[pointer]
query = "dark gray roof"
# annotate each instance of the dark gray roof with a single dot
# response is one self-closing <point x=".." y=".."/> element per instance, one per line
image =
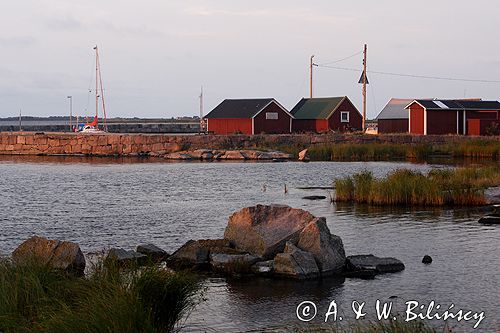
<point x="239" y="108"/>
<point x="395" y="109"/>
<point x="457" y="104"/>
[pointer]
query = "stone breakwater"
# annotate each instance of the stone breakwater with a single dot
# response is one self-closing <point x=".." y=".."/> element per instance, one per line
<point x="109" y="144"/>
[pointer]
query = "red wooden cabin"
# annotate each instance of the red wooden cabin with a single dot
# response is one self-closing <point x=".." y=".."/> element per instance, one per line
<point x="394" y="117"/>
<point x="452" y="116"/>
<point x="249" y="116"/>
<point x="326" y="114"/>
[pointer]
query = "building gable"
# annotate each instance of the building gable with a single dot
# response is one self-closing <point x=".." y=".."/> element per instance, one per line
<point x="316" y="108"/>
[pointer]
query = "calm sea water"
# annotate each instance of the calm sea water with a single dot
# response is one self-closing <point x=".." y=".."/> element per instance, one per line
<point x="102" y="203"/>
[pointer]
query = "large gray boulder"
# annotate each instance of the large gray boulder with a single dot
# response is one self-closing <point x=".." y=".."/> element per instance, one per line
<point x="295" y="263"/>
<point x="264" y="230"/>
<point x="57" y="254"/>
<point x="327" y="249"/>
<point x="371" y="262"/>
<point x="126" y="257"/>
<point x="153" y="252"/>
<point x="191" y="255"/>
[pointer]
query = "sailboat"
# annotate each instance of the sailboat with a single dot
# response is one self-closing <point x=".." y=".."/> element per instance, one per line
<point x="93" y="126"/>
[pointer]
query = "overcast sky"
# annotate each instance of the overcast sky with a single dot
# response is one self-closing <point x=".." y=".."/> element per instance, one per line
<point x="156" y="54"/>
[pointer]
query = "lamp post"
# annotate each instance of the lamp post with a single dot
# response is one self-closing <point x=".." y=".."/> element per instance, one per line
<point x="70" y="113"/>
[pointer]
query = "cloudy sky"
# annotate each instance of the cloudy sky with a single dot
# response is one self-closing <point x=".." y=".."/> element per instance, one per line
<point x="156" y="54"/>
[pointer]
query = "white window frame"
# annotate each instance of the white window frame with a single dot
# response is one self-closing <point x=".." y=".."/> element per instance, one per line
<point x="272" y="116"/>
<point x="342" y="118"/>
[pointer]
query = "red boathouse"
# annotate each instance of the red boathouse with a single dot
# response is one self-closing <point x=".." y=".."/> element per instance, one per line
<point x="326" y="114"/>
<point x="468" y="117"/>
<point x="249" y="116"/>
<point x="394" y="117"/>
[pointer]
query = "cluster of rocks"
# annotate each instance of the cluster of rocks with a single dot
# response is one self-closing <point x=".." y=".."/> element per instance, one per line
<point x="144" y="254"/>
<point x="209" y="154"/>
<point x="69" y="257"/>
<point x="278" y="241"/>
<point x="274" y="240"/>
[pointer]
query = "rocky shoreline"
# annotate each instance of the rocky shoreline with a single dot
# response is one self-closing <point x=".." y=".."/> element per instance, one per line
<point x="265" y="240"/>
<point x="130" y="144"/>
<point x="216" y="154"/>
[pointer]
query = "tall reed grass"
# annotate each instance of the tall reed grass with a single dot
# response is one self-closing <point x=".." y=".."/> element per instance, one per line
<point x="476" y="149"/>
<point x="461" y="187"/>
<point x="36" y="298"/>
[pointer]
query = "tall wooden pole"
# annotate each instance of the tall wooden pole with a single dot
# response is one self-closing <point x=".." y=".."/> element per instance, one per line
<point x="364" y="88"/>
<point x="201" y="111"/>
<point x="311" y="64"/>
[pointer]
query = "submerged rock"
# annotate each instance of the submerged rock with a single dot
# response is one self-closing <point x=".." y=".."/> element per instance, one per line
<point x="57" y="254"/>
<point x="152" y="251"/>
<point x="490" y="219"/>
<point x="365" y="274"/>
<point x="295" y="263"/>
<point x="427" y="259"/>
<point x="314" y="197"/>
<point x="371" y="262"/>
<point x="327" y="249"/>
<point x="264" y="230"/>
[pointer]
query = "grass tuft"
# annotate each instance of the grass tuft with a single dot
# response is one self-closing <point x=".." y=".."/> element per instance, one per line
<point x="36" y="298"/>
<point x="460" y="187"/>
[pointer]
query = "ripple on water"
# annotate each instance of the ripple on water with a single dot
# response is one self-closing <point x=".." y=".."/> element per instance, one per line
<point x="103" y="203"/>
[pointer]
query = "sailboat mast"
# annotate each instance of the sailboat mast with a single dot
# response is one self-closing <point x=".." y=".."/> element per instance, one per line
<point x="96" y="81"/>
<point x="102" y="93"/>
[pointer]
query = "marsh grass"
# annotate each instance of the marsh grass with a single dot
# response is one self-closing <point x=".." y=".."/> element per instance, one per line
<point x="474" y="149"/>
<point x="357" y="152"/>
<point x="460" y="187"/>
<point x="36" y="298"/>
